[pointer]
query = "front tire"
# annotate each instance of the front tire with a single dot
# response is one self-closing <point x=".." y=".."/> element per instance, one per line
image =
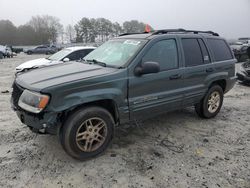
<point x="211" y="104"/>
<point x="87" y="132"/>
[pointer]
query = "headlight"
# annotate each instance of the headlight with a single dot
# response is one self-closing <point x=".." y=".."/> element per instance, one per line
<point x="32" y="101"/>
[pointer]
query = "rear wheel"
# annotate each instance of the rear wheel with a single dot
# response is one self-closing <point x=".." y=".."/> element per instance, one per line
<point x="87" y="132"/>
<point x="211" y="104"/>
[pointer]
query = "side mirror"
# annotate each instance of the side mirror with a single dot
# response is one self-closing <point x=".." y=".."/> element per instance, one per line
<point x="147" y="68"/>
<point x="66" y="59"/>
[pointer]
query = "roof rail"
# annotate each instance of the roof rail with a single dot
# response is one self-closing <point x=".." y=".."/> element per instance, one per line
<point x="165" y="31"/>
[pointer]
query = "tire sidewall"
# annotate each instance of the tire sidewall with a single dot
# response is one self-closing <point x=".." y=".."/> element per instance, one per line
<point x="72" y="124"/>
<point x="206" y="113"/>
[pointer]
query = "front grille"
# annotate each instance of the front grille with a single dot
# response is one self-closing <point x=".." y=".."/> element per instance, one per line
<point x="16" y="93"/>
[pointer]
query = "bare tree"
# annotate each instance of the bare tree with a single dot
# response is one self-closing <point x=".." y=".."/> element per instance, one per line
<point x="7" y="32"/>
<point x="46" y="27"/>
<point x="70" y="33"/>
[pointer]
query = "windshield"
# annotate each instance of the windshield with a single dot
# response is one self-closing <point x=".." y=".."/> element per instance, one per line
<point x="60" y="55"/>
<point x="116" y="52"/>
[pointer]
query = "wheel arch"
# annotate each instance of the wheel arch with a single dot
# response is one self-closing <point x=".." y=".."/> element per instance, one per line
<point x="108" y="104"/>
<point x="222" y="83"/>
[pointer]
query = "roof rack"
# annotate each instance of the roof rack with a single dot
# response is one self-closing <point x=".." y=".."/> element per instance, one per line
<point x="165" y="31"/>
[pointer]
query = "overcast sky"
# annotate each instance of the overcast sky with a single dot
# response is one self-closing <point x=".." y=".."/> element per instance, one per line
<point x="230" y="18"/>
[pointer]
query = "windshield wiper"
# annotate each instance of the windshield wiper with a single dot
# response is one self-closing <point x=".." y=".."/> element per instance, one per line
<point x="94" y="61"/>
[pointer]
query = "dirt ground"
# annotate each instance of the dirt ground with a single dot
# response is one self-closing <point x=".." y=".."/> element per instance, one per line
<point x="173" y="150"/>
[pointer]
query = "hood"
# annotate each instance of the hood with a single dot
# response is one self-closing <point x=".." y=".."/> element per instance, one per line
<point x="33" y="63"/>
<point x="39" y="79"/>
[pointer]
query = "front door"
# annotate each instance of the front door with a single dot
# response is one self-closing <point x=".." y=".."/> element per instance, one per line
<point x="155" y="93"/>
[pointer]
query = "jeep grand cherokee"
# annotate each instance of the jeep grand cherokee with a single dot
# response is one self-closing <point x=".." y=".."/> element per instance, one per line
<point x="133" y="76"/>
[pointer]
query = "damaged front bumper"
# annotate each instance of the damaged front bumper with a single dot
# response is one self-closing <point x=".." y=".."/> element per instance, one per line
<point x="39" y="123"/>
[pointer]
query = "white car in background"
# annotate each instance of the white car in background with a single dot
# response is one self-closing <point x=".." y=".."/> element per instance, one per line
<point x="65" y="55"/>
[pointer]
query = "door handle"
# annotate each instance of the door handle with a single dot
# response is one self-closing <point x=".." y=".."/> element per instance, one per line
<point x="175" y="77"/>
<point x="209" y="70"/>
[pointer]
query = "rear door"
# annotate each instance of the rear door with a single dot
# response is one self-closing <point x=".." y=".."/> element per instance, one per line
<point x="155" y="93"/>
<point x="198" y="67"/>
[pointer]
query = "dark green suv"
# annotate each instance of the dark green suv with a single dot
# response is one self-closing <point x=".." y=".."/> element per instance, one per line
<point x="133" y="76"/>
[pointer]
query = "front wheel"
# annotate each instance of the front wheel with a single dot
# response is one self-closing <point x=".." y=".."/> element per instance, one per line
<point x="211" y="104"/>
<point x="87" y="132"/>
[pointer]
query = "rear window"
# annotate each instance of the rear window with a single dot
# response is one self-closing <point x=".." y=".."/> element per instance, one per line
<point x="192" y="52"/>
<point x="220" y="49"/>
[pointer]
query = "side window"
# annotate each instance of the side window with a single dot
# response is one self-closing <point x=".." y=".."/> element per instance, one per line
<point x="88" y="51"/>
<point x="79" y="54"/>
<point x="72" y="56"/>
<point x="205" y="55"/>
<point x="83" y="53"/>
<point x="192" y="52"/>
<point x="220" y="49"/>
<point x="165" y="53"/>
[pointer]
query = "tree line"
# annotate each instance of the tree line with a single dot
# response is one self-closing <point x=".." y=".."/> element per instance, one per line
<point x="101" y="29"/>
<point x="39" y="30"/>
<point x="48" y="29"/>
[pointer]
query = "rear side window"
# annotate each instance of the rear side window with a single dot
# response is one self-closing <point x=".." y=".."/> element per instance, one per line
<point x="165" y="53"/>
<point x="192" y="52"/>
<point x="220" y="49"/>
<point x="205" y="55"/>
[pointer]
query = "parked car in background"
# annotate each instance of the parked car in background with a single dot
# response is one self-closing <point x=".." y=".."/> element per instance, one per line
<point x="67" y="54"/>
<point x="43" y="49"/>
<point x="240" y="50"/>
<point x="2" y="51"/>
<point x="17" y="49"/>
<point x="9" y="52"/>
<point x="243" y="74"/>
<point x="245" y="40"/>
<point x="6" y="51"/>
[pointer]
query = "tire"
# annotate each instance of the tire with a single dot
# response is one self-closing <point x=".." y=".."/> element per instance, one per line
<point x="215" y="96"/>
<point x="1" y="56"/>
<point x="29" y="52"/>
<point x="93" y="139"/>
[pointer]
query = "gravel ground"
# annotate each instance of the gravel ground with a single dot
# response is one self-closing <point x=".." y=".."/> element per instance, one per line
<point x="173" y="150"/>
